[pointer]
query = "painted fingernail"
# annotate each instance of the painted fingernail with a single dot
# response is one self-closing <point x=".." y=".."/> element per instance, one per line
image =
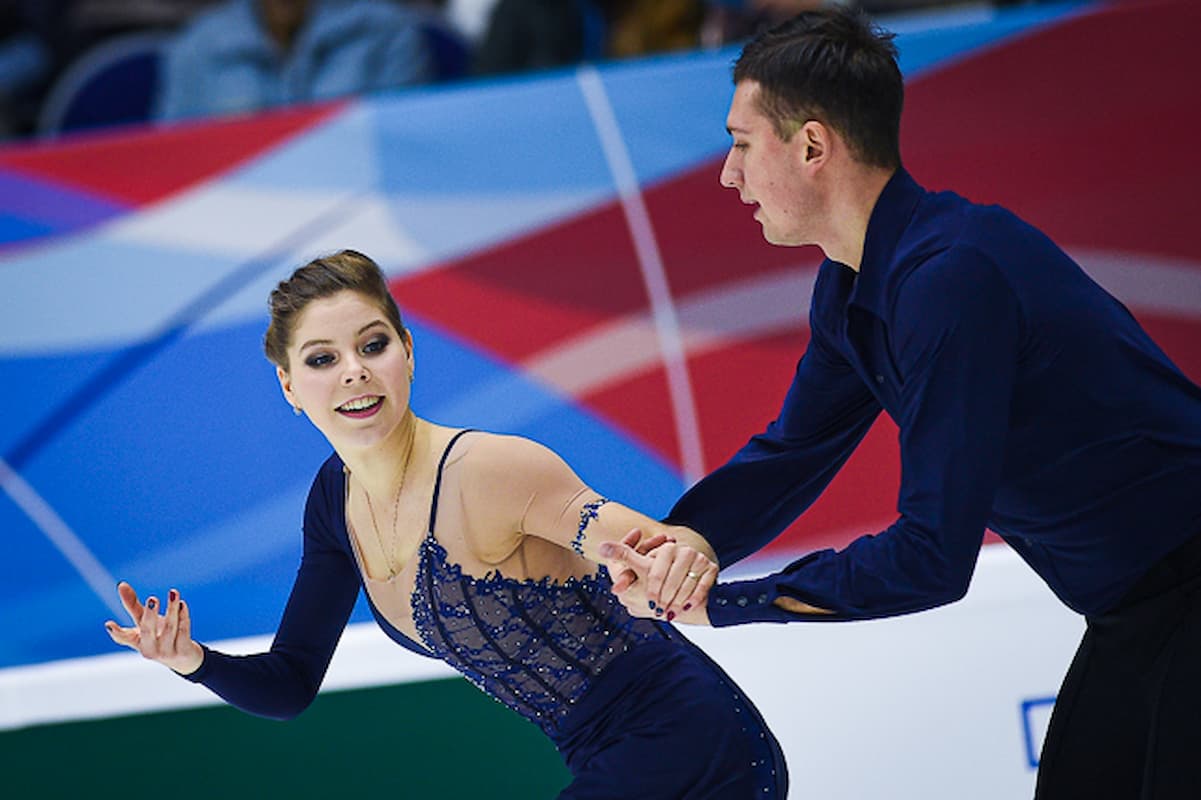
<point x="172" y="596"/>
<point x="151" y="603"/>
<point x="658" y="612"/>
<point x="671" y="615"/>
<point x="651" y="603"/>
<point x="687" y="606"/>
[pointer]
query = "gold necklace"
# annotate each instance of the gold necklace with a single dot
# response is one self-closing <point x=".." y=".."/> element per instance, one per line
<point x="393" y="567"/>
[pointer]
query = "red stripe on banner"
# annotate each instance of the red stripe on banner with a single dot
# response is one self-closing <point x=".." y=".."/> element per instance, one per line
<point x="1112" y="163"/>
<point x="522" y="296"/>
<point x="144" y="166"/>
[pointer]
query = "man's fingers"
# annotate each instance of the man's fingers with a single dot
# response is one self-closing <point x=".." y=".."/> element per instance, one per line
<point x="632" y="537"/>
<point x="650" y="544"/>
<point x="623" y="581"/>
<point x="624" y="554"/>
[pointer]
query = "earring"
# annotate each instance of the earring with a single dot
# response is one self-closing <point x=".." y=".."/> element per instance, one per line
<point x="296" y="410"/>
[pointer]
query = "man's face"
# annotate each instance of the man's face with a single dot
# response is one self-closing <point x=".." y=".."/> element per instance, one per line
<point x="768" y="172"/>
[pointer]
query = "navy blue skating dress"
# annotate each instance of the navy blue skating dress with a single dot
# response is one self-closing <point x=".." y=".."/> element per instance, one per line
<point x="635" y="709"/>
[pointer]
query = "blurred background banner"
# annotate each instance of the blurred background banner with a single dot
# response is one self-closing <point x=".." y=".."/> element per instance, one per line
<point x="573" y="272"/>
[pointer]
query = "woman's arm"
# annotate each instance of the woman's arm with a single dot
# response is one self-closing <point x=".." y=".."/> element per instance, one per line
<point x="532" y="491"/>
<point x="283" y="681"/>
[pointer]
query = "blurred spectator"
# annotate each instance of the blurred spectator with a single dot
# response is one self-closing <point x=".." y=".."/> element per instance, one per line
<point x="533" y="34"/>
<point x="247" y="55"/>
<point x="40" y="39"/>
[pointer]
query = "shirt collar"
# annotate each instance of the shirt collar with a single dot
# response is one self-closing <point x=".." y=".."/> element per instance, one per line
<point x="894" y="208"/>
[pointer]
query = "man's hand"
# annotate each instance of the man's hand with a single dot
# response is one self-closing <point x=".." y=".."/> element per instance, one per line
<point x="659" y="577"/>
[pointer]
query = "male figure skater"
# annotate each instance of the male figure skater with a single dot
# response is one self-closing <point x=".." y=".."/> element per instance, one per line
<point x="1029" y="401"/>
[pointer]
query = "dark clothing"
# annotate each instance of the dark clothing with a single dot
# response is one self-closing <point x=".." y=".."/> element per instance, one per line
<point x="1028" y="399"/>
<point x="1126" y="725"/>
<point x="525" y="35"/>
<point x="617" y="695"/>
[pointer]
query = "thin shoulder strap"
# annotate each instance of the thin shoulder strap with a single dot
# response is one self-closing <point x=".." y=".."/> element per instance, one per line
<point x="438" y="480"/>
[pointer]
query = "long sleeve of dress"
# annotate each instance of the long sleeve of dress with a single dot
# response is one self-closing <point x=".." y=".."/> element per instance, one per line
<point x="282" y="682"/>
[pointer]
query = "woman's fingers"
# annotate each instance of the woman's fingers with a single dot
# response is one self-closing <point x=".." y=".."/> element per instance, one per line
<point x="127" y="637"/>
<point x="183" y="636"/>
<point x="700" y="590"/>
<point x="148" y="625"/>
<point x="129" y="599"/>
<point x="677" y="584"/>
<point x="170" y="624"/>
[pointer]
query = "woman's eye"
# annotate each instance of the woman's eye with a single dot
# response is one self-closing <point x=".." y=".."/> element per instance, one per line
<point x="319" y="360"/>
<point x="375" y="345"/>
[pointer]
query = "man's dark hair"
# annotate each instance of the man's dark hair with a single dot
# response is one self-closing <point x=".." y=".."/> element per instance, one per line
<point x="835" y="66"/>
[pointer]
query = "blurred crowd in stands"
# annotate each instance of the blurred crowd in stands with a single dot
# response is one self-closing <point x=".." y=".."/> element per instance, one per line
<point x="74" y="64"/>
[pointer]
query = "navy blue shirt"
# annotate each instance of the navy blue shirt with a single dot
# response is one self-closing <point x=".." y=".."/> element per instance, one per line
<point x="1028" y="399"/>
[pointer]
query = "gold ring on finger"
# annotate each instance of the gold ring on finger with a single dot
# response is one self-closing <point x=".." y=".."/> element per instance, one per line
<point x="694" y="575"/>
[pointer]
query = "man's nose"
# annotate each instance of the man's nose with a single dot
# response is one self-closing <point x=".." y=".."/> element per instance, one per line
<point x="730" y="176"/>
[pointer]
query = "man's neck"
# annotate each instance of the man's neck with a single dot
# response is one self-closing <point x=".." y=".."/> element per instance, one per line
<point x="850" y="211"/>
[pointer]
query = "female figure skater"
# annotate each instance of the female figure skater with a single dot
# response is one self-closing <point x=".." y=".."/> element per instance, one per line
<point x="477" y="549"/>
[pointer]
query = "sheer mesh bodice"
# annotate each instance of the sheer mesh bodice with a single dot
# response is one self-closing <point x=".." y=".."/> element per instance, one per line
<point x="535" y="646"/>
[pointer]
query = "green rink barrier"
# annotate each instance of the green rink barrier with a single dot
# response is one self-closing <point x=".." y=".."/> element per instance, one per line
<point x="431" y="739"/>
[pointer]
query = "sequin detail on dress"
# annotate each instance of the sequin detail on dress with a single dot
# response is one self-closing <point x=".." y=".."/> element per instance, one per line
<point x="534" y="646"/>
<point x="589" y="512"/>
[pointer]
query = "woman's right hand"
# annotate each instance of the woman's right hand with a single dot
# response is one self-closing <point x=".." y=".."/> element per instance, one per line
<point x="165" y="638"/>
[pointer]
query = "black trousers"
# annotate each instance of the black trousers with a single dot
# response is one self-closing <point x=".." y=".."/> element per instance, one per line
<point x="1127" y="721"/>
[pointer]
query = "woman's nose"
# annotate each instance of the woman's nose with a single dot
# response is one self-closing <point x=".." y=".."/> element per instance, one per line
<point x="355" y="372"/>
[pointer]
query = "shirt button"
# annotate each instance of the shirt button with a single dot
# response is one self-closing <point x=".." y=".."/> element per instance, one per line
<point x="879" y="379"/>
<point x="741" y="601"/>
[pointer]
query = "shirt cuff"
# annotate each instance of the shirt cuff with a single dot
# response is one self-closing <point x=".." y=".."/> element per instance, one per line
<point x="740" y="602"/>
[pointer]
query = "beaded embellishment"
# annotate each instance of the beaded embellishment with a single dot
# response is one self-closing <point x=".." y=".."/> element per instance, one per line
<point x="532" y="645"/>
<point x="589" y="512"/>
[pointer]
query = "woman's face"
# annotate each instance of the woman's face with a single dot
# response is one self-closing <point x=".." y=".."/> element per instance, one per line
<point x="350" y="370"/>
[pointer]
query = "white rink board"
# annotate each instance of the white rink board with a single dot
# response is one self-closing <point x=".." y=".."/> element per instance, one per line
<point x="924" y="707"/>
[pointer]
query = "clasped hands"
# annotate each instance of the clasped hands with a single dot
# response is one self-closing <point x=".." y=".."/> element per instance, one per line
<point x="660" y="578"/>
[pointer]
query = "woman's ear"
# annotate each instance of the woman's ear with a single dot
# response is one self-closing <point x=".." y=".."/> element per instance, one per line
<point x="407" y="338"/>
<point x="285" y="386"/>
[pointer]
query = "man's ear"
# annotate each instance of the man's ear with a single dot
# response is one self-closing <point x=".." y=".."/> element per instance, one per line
<point x="814" y="143"/>
<point x="285" y="385"/>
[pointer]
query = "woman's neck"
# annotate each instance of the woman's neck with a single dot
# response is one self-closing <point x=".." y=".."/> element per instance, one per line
<point x="380" y="468"/>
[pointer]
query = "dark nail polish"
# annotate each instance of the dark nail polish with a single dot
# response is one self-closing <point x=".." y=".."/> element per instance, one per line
<point x="687" y="606"/>
<point x="151" y="603"/>
<point x="172" y="596"/>
<point x="658" y="612"/>
<point x="671" y="615"/>
<point x="651" y="603"/>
